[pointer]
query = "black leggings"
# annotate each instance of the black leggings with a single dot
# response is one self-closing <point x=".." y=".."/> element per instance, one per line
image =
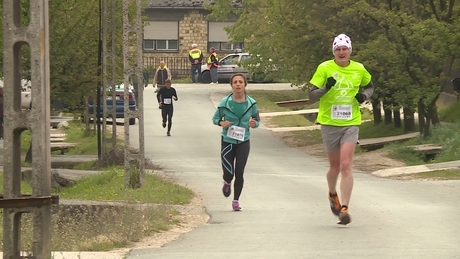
<point x="234" y="158"/>
<point x="167" y="113"/>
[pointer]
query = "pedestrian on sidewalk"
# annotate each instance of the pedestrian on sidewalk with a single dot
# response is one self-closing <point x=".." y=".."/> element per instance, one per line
<point x="161" y="75"/>
<point x="213" y="63"/>
<point x="165" y="97"/>
<point x="196" y="59"/>
<point x="340" y="85"/>
<point x="236" y="113"/>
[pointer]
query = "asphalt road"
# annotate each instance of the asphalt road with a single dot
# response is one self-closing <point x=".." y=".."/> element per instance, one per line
<point x="285" y="212"/>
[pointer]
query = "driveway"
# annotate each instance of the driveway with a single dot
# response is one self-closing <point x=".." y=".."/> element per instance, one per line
<point x="285" y="212"/>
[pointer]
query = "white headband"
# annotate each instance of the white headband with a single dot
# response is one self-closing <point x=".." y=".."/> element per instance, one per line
<point x="341" y="40"/>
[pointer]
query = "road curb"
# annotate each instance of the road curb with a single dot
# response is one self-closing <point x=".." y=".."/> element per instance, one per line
<point x="401" y="171"/>
<point x="417" y="169"/>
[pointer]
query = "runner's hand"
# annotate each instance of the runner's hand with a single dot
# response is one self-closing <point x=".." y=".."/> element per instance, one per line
<point x="225" y="124"/>
<point x="252" y="123"/>
<point x="330" y="82"/>
<point x="360" y="97"/>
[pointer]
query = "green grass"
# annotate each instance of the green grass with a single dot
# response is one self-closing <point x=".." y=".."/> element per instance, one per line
<point x="87" y="141"/>
<point x="450" y="114"/>
<point x="307" y="137"/>
<point x="87" y="165"/>
<point x="105" y="227"/>
<point x="182" y="80"/>
<point x="97" y="228"/>
<point x="369" y="130"/>
<point x="447" y="136"/>
<point x="289" y="121"/>
<point x="109" y="186"/>
<point x="75" y="133"/>
<point x="266" y="99"/>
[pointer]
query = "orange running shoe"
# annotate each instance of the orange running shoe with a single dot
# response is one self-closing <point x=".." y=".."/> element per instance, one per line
<point x="344" y="217"/>
<point x="335" y="204"/>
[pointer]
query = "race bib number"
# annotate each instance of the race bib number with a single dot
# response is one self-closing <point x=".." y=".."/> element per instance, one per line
<point x="167" y="101"/>
<point x="341" y="112"/>
<point x="236" y="132"/>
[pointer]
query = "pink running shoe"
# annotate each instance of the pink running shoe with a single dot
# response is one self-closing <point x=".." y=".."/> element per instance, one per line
<point x="236" y="206"/>
<point x="227" y="189"/>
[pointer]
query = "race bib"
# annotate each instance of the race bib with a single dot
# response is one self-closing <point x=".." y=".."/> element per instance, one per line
<point x="167" y="100"/>
<point x="236" y="132"/>
<point x="341" y="112"/>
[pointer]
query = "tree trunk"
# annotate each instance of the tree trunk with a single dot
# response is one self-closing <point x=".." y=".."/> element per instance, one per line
<point x="433" y="111"/>
<point x="409" y="122"/>
<point x="376" y="112"/>
<point x="388" y="116"/>
<point x="388" y="113"/>
<point x="397" y="118"/>
<point x="421" y="117"/>
<point x="426" y="129"/>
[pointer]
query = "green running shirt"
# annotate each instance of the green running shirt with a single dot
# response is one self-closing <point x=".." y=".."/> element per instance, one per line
<point x="338" y="106"/>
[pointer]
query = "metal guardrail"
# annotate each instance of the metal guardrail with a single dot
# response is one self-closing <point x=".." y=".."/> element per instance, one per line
<point x="179" y="66"/>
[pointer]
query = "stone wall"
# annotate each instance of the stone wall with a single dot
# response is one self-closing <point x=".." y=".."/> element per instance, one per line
<point x="193" y="29"/>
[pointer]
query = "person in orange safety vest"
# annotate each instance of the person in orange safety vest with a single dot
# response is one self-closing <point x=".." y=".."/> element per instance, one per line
<point x="213" y="63"/>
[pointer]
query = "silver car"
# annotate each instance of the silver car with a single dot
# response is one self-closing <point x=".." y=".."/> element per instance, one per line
<point x="26" y="95"/>
<point x="228" y="66"/>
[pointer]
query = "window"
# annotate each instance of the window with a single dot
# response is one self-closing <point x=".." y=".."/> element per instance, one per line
<point x="227" y="47"/>
<point x="218" y="37"/>
<point x="161" y="36"/>
<point x="149" y="44"/>
<point x="230" y="60"/>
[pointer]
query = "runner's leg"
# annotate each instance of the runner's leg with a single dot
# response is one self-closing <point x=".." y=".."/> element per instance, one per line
<point x="241" y="156"/>
<point x="170" y="114"/>
<point x="228" y="157"/>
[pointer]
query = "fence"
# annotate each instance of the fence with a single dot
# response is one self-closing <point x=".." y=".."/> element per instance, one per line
<point x="179" y="66"/>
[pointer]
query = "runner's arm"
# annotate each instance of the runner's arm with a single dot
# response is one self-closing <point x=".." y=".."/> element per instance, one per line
<point x="316" y="93"/>
<point x="368" y="90"/>
<point x="175" y="95"/>
<point x="217" y="118"/>
<point x="256" y="116"/>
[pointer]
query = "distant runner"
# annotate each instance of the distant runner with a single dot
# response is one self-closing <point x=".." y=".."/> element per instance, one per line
<point x="165" y="97"/>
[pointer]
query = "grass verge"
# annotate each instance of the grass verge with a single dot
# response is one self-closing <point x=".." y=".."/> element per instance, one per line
<point x="447" y="136"/>
<point x="109" y="186"/>
<point x="87" y="141"/>
<point x="105" y="226"/>
<point x="98" y="227"/>
<point x="98" y="213"/>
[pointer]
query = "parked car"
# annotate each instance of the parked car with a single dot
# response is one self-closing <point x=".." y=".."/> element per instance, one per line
<point x="119" y="102"/>
<point x="228" y="66"/>
<point x="26" y="95"/>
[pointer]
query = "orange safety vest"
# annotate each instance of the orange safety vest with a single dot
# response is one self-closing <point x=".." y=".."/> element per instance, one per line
<point x="210" y="62"/>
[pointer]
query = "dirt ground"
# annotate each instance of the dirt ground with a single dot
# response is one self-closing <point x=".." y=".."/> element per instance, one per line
<point x="365" y="162"/>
